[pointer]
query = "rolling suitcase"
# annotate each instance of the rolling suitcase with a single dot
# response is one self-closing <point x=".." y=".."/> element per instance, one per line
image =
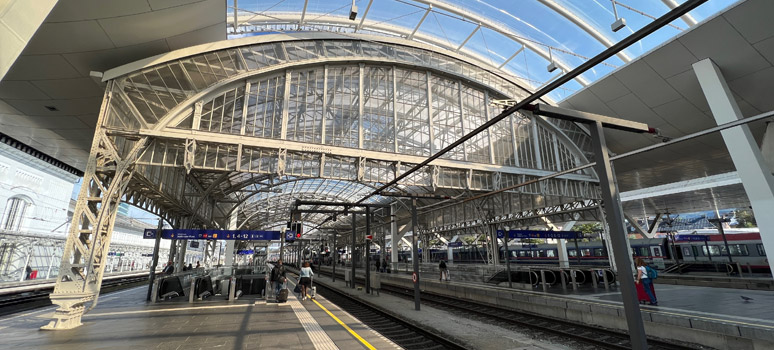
<point x="312" y="292"/>
<point x="282" y="296"/>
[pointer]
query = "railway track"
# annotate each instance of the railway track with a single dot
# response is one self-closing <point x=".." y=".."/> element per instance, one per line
<point x="400" y="331"/>
<point x="13" y="303"/>
<point x="578" y="336"/>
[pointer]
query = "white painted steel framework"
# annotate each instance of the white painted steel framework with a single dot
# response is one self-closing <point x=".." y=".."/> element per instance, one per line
<point x="244" y="128"/>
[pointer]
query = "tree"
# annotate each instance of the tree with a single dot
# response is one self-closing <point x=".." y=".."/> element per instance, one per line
<point x="745" y="218"/>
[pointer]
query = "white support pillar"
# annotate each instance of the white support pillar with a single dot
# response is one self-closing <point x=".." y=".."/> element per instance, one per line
<point x="230" y="252"/>
<point x="750" y="165"/>
<point x="561" y="246"/>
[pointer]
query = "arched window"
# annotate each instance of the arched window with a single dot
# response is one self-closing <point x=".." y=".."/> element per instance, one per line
<point x="14" y="213"/>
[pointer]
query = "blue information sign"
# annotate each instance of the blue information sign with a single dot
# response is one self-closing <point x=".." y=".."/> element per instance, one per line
<point x="290" y="236"/>
<point x="540" y="234"/>
<point x="245" y="252"/>
<point x="692" y="238"/>
<point x="244" y="235"/>
<point x="454" y="244"/>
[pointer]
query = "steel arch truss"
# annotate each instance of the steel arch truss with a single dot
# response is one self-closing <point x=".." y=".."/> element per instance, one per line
<point x="252" y="128"/>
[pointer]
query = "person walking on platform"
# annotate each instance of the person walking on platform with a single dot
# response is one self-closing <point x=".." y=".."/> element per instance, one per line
<point x="644" y="281"/>
<point x="277" y="276"/>
<point x="377" y="264"/>
<point x="443" y="270"/>
<point x="305" y="279"/>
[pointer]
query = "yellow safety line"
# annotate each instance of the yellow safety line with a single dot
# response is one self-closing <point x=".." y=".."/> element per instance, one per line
<point x="354" y="334"/>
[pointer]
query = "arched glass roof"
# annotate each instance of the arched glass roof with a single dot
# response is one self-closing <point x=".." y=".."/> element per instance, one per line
<point x="520" y="37"/>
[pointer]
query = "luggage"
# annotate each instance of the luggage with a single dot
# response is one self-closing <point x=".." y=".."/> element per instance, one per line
<point x="297" y="289"/>
<point x="641" y="295"/>
<point x="312" y="291"/>
<point x="282" y="296"/>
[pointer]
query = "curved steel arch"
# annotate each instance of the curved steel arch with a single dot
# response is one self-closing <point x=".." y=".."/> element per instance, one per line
<point x="405" y="32"/>
<point x="585" y="26"/>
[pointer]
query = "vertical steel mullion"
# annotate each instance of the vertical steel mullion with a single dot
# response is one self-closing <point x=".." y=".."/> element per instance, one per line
<point x="462" y="120"/>
<point x="361" y="106"/>
<point x="245" y="107"/>
<point x="489" y="130"/>
<point x="514" y="135"/>
<point x="395" y="109"/>
<point x="324" y="110"/>
<point x="556" y="152"/>
<point x="430" y="112"/>
<point x="536" y="142"/>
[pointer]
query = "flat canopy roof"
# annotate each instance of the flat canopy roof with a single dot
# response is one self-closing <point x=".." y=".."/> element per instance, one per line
<point x="661" y="90"/>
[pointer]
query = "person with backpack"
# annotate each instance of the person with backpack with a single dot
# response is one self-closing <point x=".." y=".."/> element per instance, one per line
<point x="645" y="277"/>
<point x="277" y="277"/>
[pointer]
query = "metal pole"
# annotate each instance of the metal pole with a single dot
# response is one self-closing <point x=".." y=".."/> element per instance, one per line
<point x="706" y="246"/>
<point x="335" y="257"/>
<point x="725" y="241"/>
<point x="352" y="252"/>
<point x="618" y="237"/>
<point x="155" y="259"/>
<point x="577" y="252"/>
<point x="508" y="258"/>
<point x="368" y="251"/>
<point x="415" y="252"/>
<point x="282" y="247"/>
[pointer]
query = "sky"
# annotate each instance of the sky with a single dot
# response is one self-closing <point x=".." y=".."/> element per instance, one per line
<point x="529" y="20"/>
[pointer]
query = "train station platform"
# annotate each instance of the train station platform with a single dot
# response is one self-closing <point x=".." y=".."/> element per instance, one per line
<point x="714" y="317"/>
<point x="123" y="320"/>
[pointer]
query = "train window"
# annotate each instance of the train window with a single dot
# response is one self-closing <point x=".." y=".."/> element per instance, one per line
<point x="687" y="251"/>
<point x="761" y="250"/>
<point x="522" y="253"/>
<point x="585" y="252"/>
<point x="738" y="250"/>
<point x="642" y="251"/>
<point x="573" y="253"/>
<point x="542" y="253"/>
<point x="551" y="253"/>
<point x="713" y="250"/>
<point x="695" y="250"/>
<point x="599" y="252"/>
<point x="656" y="251"/>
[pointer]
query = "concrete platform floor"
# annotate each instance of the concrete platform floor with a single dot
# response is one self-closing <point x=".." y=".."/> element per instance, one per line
<point x="123" y="320"/>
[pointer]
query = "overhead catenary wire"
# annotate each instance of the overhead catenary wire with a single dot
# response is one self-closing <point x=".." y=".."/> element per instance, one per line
<point x="607" y="53"/>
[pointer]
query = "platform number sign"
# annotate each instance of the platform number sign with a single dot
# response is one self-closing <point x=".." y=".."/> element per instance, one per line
<point x="290" y="236"/>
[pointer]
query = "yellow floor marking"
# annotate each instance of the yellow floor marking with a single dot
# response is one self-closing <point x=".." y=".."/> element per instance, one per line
<point x="354" y="334"/>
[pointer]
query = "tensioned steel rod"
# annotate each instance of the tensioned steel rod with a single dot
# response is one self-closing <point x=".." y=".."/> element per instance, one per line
<point x="631" y="153"/>
<point x="601" y="57"/>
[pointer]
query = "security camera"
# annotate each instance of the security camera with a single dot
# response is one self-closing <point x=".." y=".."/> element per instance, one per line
<point x="353" y="12"/>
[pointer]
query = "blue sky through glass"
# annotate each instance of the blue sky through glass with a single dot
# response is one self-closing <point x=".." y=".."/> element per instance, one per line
<point x="531" y="20"/>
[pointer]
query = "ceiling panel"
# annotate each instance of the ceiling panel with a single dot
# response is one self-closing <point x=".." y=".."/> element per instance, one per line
<point x="57" y="38"/>
<point x="54" y="70"/>
<point x="144" y="27"/>
<point x="79" y="10"/>
<point x="70" y="88"/>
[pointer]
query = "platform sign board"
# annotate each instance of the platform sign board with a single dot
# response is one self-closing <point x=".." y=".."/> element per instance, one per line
<point x="454" y="244"/>
<point x="244" y="235"/>
<point x="290" y="236"/>
<point x="521" y="234"/>
<point x="245" y="252"/>
<point x="700" y="238"/>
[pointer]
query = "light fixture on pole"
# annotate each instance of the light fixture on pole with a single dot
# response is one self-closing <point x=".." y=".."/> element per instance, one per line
<point x="353" y="11"/>
<point x="552" y="65"/>
<point x="619" y="22"/>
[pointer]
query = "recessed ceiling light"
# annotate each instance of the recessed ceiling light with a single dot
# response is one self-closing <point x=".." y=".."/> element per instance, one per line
<point x="51" y="108"/>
